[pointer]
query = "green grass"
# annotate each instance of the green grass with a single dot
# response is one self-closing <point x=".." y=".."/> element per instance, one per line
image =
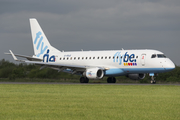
<point x="93" y="102"/>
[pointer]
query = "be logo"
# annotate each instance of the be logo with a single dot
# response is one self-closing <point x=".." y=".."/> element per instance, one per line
<point x="46" y="56"/>
<point x="128" y="59"/>
<point x="41" y="49"/>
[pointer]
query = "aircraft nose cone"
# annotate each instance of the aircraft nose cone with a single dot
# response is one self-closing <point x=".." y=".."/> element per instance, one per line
<point x="170" y="65"/>
<point x="173" y="66"/>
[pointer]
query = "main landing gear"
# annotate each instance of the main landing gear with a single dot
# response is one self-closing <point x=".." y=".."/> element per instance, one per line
<point x="84" y="80"/>
<point x="111" y="80"/>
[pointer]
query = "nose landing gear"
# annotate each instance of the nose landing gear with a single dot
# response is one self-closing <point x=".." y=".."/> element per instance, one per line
<point x="153" y="81"/>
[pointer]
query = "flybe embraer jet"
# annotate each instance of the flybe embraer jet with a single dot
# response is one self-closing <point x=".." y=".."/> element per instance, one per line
<point x="134" y="64"/>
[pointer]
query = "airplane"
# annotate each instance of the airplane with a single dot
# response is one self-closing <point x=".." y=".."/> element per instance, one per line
<point x="134" y="64"/>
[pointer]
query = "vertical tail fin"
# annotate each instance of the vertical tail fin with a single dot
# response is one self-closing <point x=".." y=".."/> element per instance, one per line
<point x="40" y="42"/>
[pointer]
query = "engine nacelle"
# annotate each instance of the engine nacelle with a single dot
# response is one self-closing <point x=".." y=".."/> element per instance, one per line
<point x="136" y="76"/>
<point x="94" y="73"/>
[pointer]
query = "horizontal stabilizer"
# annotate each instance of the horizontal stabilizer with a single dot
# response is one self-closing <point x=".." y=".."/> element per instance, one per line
<point x="27" y="57"/>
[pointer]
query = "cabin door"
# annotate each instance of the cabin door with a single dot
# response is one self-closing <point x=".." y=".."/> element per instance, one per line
<point x="143" y="58"/>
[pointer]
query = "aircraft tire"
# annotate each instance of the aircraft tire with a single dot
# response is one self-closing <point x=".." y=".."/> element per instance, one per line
<point x="111" y="80"/>
<point x="153" y="81"/>
<point x="84" y="80"/>
<point x="87" y="80"/>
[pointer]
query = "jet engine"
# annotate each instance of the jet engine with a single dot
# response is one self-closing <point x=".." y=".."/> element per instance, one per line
<point x="94" y="73"/>
<point x="136" y="76"/>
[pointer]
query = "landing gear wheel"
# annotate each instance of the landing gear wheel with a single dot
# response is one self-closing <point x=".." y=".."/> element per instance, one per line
<point x="84" y="80"/>
<point x="151" y="81"/>
<point x="111" y="80"/>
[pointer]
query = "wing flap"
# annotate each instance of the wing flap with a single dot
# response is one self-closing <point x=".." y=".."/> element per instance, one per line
<point x="58" y="65"/>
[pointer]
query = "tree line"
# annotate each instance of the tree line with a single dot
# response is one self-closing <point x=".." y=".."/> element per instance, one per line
<point x="22" y="70"/>
<point x="12" y="71"/>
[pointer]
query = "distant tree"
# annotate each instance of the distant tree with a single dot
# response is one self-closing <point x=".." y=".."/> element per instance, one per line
<point x="6" y="68"/>
<point x="167" y="76"/>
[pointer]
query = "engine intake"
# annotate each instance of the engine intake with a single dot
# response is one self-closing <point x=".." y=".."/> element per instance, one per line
<point x="136" y="76"/>
<point x="94" y="73"/>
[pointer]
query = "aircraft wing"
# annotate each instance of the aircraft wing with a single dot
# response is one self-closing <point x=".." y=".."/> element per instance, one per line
<point x="61" y="67"/>
<point x="27" y="57"/>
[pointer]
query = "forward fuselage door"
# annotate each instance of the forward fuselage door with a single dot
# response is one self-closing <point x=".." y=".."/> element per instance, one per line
<point x="143" y="59"/>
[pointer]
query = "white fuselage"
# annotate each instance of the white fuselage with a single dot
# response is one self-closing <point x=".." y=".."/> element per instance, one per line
<point x="118" y="62"/>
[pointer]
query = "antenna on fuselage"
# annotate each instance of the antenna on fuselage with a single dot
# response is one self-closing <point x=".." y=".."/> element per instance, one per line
<point x="122" y="49"/>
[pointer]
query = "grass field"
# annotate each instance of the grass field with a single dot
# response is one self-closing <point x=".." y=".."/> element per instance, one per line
<point x="93" y="102"/>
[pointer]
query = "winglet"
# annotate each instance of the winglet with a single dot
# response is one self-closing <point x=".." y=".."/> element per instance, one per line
<point x="13" y="55"/>
<point x="15" y="58"/>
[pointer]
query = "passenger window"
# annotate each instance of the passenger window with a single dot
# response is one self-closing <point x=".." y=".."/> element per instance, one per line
<point x="67" y="58"/>
<point x="59" y="58"/>
<point x="82" y="58"/>
<point x="86" y="57"/>
<point x="101" y="57"/>
<point x="89" y="57"/>
<point x="63" y="58"/>
<point x="105" y="57"/>
<point x="109" y="57"/>
<point x="97" y="57"/>
<point x="93" y="57"/>
<point x="78" y="58"/>
<point x="74" y="58"/>
<point x="153" y="56"/>
<point x="136" y="56"/>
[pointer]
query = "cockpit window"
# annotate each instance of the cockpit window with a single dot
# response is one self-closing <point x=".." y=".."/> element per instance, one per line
<point x="153" y="56"/>
<point x="161" y="56"/>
